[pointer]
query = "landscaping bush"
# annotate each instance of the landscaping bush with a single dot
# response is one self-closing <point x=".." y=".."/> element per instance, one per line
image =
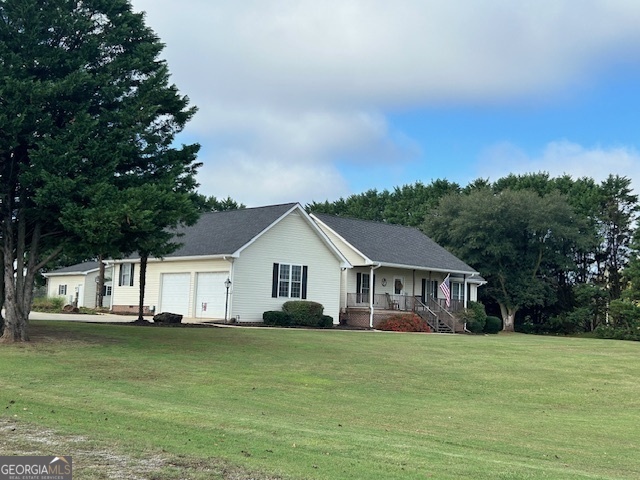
<point x="404" y="323"/>
<point x="326" y="321"/>
<point x="281" y="319"/>
<point x="48" y="304"/>
<point x="474" y="316"/>
<point x="493" y="325"/>
<point x="304" y="313"/>
<point x="625" y="322"/>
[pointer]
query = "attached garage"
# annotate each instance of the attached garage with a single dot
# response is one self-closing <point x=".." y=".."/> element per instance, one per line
<point x="175" y="293"/>
<point x="242" y="246"/>
<point x="210" y="294"/>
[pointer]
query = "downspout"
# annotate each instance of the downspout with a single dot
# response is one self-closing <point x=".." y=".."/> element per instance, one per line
<point x="466" y="300"/>
<point x="113" y="284"/>
<point x="371" y="295"/>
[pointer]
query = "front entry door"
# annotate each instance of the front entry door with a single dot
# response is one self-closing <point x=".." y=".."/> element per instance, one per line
<point x="398" y="285"/>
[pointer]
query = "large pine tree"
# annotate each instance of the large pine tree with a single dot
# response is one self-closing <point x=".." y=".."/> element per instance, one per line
<point x="87" y="117"/>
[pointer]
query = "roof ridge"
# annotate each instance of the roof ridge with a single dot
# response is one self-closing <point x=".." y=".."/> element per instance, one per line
<point x="252" y="208"/>
<point x="365" y="220"/>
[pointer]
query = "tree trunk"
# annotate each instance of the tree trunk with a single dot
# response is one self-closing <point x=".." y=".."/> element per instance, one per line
<point x="143" y="281"/>
<point x="19" y="279"/>
<point x="508" y="317"/>
<point x="16" y="321"/>
<point x="15" y="325"/>
<point x="100" y="284"/>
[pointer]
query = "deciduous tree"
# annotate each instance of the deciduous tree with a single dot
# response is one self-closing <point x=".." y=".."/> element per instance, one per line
<point x="517" y="239"/>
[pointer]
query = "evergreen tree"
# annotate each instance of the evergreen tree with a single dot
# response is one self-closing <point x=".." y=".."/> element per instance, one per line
<point x="88" y="117"/>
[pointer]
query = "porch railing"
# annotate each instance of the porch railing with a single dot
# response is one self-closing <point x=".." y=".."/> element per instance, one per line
<point x="432" y="310"/>
<point x="381" y="301"/>
<point x="407" y="303"/>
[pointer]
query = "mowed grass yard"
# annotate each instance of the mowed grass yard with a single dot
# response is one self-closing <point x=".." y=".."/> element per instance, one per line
<point x="336" y="404"/>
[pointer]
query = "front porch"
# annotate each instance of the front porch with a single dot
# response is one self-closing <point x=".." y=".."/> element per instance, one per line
<point x="433" y="310"/>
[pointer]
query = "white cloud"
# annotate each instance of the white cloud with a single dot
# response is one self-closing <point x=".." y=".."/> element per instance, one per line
<point x="354" y="52"/>
<point x="297" y="84"/>
<point x="260" y="178"/>
<point x="562" y="157"/>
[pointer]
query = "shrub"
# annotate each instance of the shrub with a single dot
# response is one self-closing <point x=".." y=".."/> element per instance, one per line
<point x="278" y="318"/>
<point x="404" y="323"/>
<point x="326" y="321"/>
<point x="48" y="304"/>
<point x="625" y="322"/>
<point x="569" y="323"/>
<point x="474" y="316"/>
<point x="493" y="325"/>
<point x="303" y="312"/>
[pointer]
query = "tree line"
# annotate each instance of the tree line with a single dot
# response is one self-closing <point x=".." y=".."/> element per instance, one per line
<point x="560" y="255"/>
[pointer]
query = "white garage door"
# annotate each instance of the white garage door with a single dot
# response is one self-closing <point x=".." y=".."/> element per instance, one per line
<point x="175" y="293"/>
<point x="211" y="294"/>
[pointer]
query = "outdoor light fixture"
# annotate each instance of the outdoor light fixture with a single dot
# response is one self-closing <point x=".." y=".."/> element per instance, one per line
<point x="227" y="284"/>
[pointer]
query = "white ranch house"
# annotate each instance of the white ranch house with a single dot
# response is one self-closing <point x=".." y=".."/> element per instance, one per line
<point x="78" y="285"/>
<point x="397" y="268"/>
<point x="236" y="265"/>
<point x="269" y="255"/>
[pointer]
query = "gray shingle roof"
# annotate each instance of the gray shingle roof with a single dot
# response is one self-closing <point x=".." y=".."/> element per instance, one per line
<point x="223" y="233"/>
<point x="78" y="268"/>
<point x="394" y="244"/>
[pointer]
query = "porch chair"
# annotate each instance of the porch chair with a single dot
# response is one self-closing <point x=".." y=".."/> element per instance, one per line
<point x="391" y="303"/>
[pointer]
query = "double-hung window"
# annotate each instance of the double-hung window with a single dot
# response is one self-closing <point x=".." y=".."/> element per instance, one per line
<point x="289" y="281"/>
<point x="62" y="289"/>
<point x="126" y="274"/>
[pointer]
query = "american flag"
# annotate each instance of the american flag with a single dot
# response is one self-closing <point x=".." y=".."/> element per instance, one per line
<point x="444" y="288"/>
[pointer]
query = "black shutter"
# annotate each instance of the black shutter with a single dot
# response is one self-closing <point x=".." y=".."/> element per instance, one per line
<point x="274" y="280"/>
<point x="120" y="276"/>
<point x="131" y="279"/>
<point x="358" y="287"/>
<point x="424" y="290"/>
<point x="305" y="273"/>
<point x="373" y="286"/>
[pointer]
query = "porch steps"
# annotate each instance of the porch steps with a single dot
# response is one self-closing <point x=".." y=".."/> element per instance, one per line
<point x="436" y="324"/>
<point x="433" y="319"/>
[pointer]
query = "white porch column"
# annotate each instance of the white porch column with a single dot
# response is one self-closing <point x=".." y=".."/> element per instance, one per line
<point x="371" y="288"/>
<point x="466" y="300"/>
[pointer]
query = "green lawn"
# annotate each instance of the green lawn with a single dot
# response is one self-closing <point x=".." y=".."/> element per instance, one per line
<point x="337" y="404"/>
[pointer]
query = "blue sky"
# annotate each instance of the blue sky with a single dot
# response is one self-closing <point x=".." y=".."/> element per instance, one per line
<point x="302" y="100"/>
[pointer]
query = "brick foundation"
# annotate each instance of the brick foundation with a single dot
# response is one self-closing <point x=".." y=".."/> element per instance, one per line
<point x="360" y="317"/>
<point x="131" y="310"/>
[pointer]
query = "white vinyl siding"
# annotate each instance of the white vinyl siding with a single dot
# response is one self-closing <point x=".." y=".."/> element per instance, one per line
<point x="65" y="286"/>
<point x="291" y="242"/>
<point x="128" y="296"/>
<point x="350" y="254"/>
